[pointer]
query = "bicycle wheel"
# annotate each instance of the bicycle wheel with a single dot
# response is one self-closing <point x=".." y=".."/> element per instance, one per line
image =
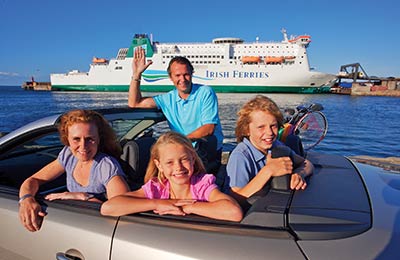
<point x="311" y="129"/>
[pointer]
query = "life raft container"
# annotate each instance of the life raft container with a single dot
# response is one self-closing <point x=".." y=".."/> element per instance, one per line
<point x="273" y="59"/>
<point x="251" y="59"/>
<point x="99" y="60"/>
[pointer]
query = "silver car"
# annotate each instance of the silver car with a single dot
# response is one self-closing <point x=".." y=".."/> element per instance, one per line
<point x="348" y="211"/>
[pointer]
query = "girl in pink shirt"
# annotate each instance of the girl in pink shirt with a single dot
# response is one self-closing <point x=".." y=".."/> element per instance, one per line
<point x="176" y="184"/>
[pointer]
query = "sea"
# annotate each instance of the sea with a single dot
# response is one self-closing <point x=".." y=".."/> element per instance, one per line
<point x="357" y="125"/>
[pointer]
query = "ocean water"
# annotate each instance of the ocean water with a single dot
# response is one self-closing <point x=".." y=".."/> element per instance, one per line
<point x="357" y="125"/>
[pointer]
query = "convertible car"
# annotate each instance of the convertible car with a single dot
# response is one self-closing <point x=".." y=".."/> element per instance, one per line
<point x="349" y="210"/>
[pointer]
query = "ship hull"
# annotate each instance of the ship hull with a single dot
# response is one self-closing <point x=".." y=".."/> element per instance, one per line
<point x="218" y="89"/>
<point x="223" y="79"/>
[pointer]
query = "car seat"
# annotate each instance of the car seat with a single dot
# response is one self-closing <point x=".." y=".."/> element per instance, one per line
<point x="135" y="158"/>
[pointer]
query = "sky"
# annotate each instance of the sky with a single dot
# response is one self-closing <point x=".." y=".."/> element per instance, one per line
<point x="40" y="37"/>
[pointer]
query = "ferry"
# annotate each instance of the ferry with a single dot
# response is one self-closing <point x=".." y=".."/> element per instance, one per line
<point x="226" y="64"/>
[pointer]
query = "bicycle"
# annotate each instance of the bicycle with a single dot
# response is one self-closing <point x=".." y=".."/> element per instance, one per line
<point x="306" y="122"/>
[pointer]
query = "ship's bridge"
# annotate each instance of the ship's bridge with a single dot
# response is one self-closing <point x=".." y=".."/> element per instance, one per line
<point x="227" y="40"/>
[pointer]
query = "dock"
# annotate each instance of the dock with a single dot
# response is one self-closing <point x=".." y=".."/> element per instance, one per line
<point x="353" y="80"/>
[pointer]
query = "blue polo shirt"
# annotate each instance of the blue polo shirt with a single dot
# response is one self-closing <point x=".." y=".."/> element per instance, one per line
<point x="186" y="115"/>
<point x="246" y="161"/>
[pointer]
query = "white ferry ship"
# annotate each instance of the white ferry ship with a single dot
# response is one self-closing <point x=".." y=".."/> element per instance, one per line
<point x="226" y="64"/>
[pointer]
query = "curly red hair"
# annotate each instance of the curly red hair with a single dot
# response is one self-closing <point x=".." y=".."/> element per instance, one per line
<point x="108" y="139"/>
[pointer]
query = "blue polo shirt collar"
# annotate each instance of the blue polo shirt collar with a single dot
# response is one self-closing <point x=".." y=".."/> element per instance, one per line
<point x="258" y="155"/>
<point x="190" y="97"/>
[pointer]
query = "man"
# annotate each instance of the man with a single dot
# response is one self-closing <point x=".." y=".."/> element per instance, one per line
<point x="190" y="109"/>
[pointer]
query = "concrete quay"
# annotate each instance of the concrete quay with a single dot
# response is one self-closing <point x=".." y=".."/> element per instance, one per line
<point x="389" y="163"/>
<point x="353" y="80"/>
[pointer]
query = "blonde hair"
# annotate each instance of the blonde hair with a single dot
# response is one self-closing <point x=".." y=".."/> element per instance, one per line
<point x="108" y="140"/>
<point x="258" y="103"/>
<point x="171" y="138"/>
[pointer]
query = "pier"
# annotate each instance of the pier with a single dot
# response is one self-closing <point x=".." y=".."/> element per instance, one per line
<point x="353" y="80"/>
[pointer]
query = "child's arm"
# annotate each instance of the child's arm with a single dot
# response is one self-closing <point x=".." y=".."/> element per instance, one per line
<point x="219" y="206"/>
<point x="305" y="169"/>
<point x="274" y="167"/>
<point x="136" y="201"/>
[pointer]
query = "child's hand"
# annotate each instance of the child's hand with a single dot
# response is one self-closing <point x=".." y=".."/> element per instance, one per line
<point x="279" y="166"/>
<point x="185" y="205"/>
<point x="165" y="207"/>
<point x="297" y="182"/>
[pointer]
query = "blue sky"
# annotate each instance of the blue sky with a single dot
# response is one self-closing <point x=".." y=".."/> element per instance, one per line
<point x="40" y="37"/>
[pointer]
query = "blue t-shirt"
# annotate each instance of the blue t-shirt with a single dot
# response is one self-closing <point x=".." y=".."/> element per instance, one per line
<point x="186" y="115"/>
<point x="246" y="161"/>
<point x="104" y="168"/>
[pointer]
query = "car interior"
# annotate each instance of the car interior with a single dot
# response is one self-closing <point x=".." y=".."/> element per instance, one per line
<point x="275" y="207"/>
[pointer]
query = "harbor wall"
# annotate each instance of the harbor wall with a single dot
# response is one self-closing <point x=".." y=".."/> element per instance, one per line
<point x="38" y="86"/>
<point x="386" y="88"/>
<point x="382" y="87"/>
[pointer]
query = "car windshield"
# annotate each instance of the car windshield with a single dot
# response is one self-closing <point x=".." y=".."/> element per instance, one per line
<point x="52" y="140"/>
<point x="122" y="126"/>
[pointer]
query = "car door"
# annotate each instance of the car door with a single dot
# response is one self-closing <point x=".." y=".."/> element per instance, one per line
<point x="150" y="236"/>
<point x="70" y="227"/>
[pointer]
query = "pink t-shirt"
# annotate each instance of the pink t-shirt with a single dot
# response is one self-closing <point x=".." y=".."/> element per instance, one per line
<point x="201" y="186"/>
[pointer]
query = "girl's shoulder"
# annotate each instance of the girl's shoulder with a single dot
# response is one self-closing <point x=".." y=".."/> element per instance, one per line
<point x="202" y="185"/>
<point x="203" y="178"/>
